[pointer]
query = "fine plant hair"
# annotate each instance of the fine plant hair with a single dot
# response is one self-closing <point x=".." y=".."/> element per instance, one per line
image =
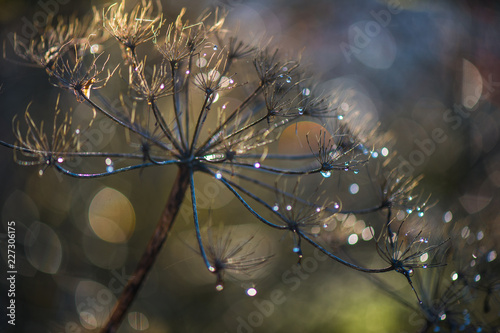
<point x="179" y="76"/>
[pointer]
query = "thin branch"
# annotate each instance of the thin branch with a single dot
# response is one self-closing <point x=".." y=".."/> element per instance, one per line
<point x="149" y="256"/>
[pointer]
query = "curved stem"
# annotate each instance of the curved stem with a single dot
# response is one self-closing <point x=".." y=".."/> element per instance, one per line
<point x="153" y="248"/>
<point x="277" y="171"/>
<point x="197" y="224"/>
<point x="201" y="119"/>
<point x="247" y="206"/>
<point x="343" y="262"/>
<point x="256" y="198"/>
<point x="177" y="106"/>
<point x="101" y="174"/>
<point x="161" y="122"/>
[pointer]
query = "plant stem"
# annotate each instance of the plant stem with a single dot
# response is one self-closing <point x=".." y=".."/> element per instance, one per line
<point x="153" y="248"/>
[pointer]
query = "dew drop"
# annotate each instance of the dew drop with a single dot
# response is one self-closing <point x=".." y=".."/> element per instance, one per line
<point x="94" y="49"/>
<point x="110" y="166"/>
<point x="288" y="79"/>
<point x="301" y="110"/>
<point x="77" y="131"/>
<point x="215" y="47"/>
<point x="289" y="207"/>
<point x="424" y="266"/>
<point x="162" y="86"/>
<point x="326" y="173"/>
<point x="276" y="207"/>
<point x="409" y="211"/>
<point x="306" y="92"/>
<point x="211" y="269"/>
<point x="354" y="188"/>
<point x="219" y="287"/>
<point x="356" y="172"/>
<point x="251" y="292"/>
<point x="257" y="165"/>
<point x="443" y="316"/>
<point x="188" y="72"/>
<point x="477" y="278"/>
<point x="336" y="206"/>
<point x="318" y="209"/>
<point x="216" y="157"/>
<point x="384" y="152"/>
<point x="40" y="172"/>
<point x="218" y="175"/>
<point x="60" y="160"/>
<point x="215" y="98"/>
<point x="296" y="249"/>
<point x="361" y="147"/>
<point x="374" y="154"/>
<point x="454" y="276"/>
<point x="340" y="117"/>
<point x="420" y="214"/>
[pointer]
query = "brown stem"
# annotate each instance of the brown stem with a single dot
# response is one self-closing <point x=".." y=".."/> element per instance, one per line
<point x="153" y="248"/>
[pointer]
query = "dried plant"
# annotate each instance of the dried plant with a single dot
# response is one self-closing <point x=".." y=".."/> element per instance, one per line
<point x="197" y="131"/>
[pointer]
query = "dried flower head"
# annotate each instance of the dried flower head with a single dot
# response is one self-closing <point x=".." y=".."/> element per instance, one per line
<point x="398" y="191"/>
<point x="270" y="68"/>
<point x="333" y="155"/>
<point x="36" y="147"/>
<point x="228" y="256"/>
<point x="79" y="79"/>
<point x="57" y="39"/>
<point x="407" y="250"/>
<point x="132" y="28"/>
<point x="302" y="217"/>
<point x="184" y="39"/>
<point x="211" y="78"/>
<point x="160" y="84"/>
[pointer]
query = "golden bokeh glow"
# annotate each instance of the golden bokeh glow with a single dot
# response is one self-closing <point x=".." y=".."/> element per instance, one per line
<point x="293" y="140"/>
<point x="111" y="216"/>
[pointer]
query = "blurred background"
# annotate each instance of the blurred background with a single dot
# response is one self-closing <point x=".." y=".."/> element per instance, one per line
<point x="427" y="72"/>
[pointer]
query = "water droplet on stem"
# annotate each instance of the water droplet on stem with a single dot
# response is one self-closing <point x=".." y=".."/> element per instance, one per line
<point x="326" y="173"/>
